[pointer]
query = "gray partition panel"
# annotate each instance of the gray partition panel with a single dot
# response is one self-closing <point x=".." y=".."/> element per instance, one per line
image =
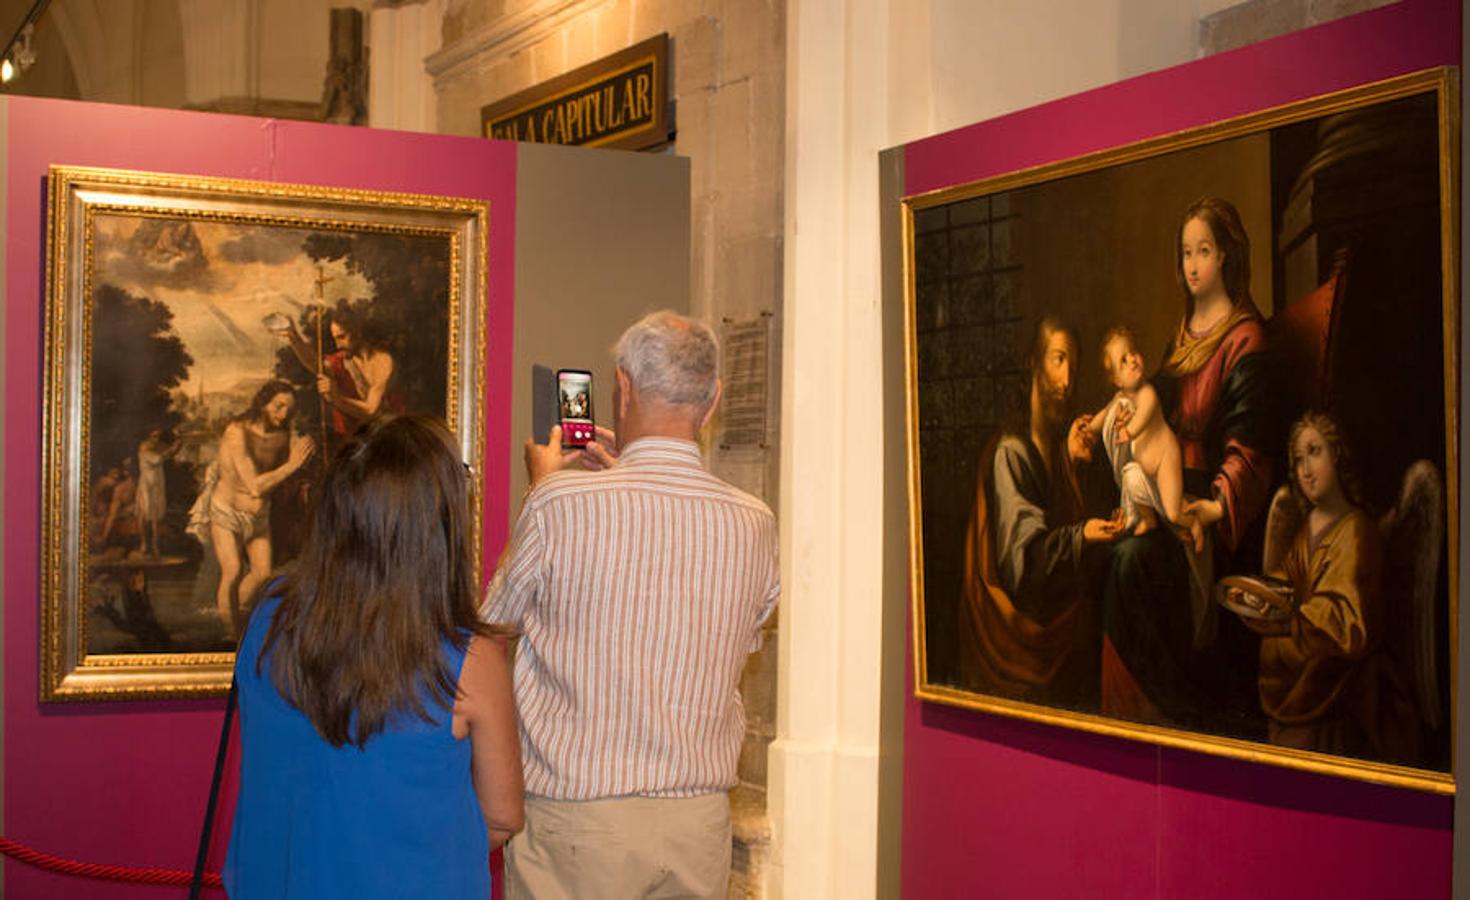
<point x="4" y="199"/>
<point x="1460" y="872"/>
<point x="893" y="691"/>
<point x="602" y="237"/>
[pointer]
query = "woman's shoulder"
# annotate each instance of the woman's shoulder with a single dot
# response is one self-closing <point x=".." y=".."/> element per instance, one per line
<point x="484" y="676"/>
<point x="1248" y="334"/>
<point x="481" y="650"/>
<point x="261" y="616"/>
<point x="252" y="640"/>
<point x="1245" y="343"/>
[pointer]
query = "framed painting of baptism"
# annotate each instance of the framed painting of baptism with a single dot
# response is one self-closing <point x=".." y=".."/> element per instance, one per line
<point x="209" y="345"/>
<point x="1183" y="437"/>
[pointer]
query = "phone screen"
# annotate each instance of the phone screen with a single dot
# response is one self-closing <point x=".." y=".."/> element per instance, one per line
<point x="574" y="394"/>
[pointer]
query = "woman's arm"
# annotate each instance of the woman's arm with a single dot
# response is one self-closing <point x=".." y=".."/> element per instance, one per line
<point x="1247" y="419"/>
<point x="485" y="712"/>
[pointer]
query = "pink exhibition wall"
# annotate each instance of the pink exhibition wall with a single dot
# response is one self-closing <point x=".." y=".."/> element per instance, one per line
<point x="997" y="807"/>
<point x="126" y="783"/>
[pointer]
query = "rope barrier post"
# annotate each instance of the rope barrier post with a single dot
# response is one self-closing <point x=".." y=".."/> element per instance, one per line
<point x="197" y="883"/>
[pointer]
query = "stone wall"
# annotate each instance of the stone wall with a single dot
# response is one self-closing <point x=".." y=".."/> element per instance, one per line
<point x="1257" y="20"/>
<point x="728" y="87"/>
<point x="254" y="57"/>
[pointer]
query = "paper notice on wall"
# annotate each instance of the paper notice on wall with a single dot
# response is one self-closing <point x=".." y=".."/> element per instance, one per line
<point x="745" y="410"/>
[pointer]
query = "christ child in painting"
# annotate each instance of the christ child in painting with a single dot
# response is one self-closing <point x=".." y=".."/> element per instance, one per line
<point x="1140" y="445"/>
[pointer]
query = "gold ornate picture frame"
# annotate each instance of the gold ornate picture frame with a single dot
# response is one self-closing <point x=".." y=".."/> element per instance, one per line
<point x="1260" y="616"/>
<point x="209" y="342"/>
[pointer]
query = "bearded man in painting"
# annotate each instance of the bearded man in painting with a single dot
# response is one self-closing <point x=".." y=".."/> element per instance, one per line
<point x="1026" y="629"/>
<point x="256" y="453"/>
<point x="357" y="378"/>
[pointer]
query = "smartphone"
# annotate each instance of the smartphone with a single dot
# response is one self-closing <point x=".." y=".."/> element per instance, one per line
<point x="574" y="396"/>
<point x="544" y="408"/>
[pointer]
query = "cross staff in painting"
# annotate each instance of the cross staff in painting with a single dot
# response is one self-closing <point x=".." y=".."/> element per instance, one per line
<point x="357" y="378"/>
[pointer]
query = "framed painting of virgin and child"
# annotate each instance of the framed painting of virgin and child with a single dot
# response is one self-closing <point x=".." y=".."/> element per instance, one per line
<point x="209" y="345"/>
<point x="1183" y="437"/>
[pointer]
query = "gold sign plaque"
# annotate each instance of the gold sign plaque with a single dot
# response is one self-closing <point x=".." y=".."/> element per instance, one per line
<point x="619" y="101"/>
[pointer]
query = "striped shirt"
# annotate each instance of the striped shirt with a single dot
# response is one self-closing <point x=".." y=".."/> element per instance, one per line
<point x="639" y="592"/>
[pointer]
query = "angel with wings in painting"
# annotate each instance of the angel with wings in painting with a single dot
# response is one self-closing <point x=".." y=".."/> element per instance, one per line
<point x="1335" y="674"/>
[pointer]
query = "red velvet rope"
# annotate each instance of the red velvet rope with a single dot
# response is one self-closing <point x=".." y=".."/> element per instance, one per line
<point x="136" y="874"/>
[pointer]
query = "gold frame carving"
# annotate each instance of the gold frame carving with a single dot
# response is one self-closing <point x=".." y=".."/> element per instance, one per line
<point x="76" y="195"/>
<point x="1444" y="83"/>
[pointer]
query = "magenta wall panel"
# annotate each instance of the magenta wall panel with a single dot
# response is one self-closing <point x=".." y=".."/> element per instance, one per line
<point x="126" y="783"/>
<point x="996" y="807"/>
<point x="1403" y="37"/>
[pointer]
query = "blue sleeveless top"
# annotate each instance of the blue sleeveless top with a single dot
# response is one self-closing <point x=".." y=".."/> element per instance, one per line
<point x="398" y="818"/>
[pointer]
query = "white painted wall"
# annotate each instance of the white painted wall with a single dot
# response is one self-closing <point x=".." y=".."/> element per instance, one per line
<point x="100" y="39"/>
<point x="864" y="75"/>
<point x="293" y="47"/>
<point x="996" y="56"/>
<point x="257" y="49"/>
<point x="400" y="89"/>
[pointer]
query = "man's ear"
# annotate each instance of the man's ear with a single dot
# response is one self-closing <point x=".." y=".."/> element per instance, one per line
<point x="713" y="404"/>
<point x="625" y="390"/>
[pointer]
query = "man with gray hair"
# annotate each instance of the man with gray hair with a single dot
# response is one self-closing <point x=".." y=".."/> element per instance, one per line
<point x="639" y="587"/>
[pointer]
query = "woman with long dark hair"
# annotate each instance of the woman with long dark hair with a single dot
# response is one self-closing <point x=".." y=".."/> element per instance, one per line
<point x="361" y="674"/>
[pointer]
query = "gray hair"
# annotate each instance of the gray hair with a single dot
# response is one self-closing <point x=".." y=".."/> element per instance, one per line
<point x="670" y="357"/>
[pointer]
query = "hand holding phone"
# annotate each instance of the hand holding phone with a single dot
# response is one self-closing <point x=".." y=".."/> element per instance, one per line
<point x="544" y="459"/>
<point x="601" y="453"/>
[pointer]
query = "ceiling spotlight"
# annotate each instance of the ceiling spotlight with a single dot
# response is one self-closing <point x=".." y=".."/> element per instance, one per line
<point x="19" y="55"/>
<point x="23" y="56"/>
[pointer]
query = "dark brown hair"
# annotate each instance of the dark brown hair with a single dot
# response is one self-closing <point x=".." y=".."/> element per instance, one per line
<point x="361" y="327"/>
<point x="268" y="392"/>
<point x="1343" y="461"/>
<point x="1047" y="326"/>
<point x="1230" y="240"/>
<point x="383" y="580"/>
<point x="1016" y="403"/>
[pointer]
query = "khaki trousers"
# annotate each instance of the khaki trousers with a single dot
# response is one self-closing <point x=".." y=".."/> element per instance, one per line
<point x="621" y="848"/>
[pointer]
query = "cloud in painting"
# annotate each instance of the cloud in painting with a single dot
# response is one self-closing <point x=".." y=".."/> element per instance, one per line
<point x="163" y="253"/>
<point x="241" y="337"/>
<point x="271" y="246"/>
